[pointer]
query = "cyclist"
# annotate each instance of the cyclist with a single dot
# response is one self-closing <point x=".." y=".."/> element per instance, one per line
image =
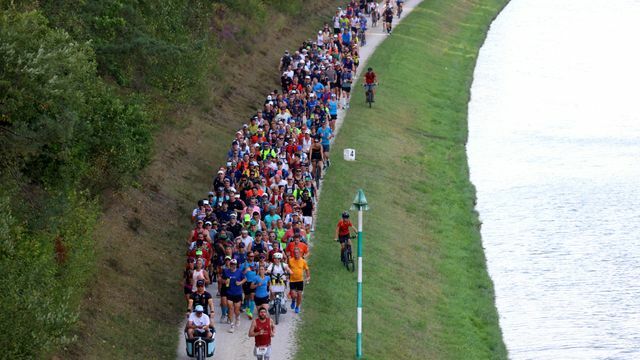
<point x="388" y="18"/>
<point x="203" y="299"/>
<point x="363" y="29"/>
<point x="370" y="81"/>
<point x="263" y="330"/>
<point x="343" y="231"/>
<point x="278" y="271"/>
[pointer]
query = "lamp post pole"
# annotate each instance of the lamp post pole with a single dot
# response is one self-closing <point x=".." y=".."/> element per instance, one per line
<point x="360" y="204"/>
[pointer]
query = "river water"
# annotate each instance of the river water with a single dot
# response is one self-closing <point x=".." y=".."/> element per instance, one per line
<point x="554" y="152"/>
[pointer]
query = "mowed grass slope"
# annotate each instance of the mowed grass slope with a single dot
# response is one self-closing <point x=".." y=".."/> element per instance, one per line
<point x="427" y="293"/>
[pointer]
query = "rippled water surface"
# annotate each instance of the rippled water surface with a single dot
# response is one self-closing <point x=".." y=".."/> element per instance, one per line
<point x="554" y="151"/>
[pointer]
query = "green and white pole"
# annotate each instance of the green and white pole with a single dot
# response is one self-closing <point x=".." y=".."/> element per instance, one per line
<point x="360" y="204"/>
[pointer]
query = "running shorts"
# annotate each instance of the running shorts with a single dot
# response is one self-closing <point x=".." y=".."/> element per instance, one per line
<point x="262" y="300"/>
<point x="296" y="286"/>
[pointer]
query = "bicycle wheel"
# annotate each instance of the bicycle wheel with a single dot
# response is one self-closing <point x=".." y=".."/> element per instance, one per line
<point x="349" y="262"/>
<point x="200" y="352"/>
<point x="277" y="307"/>
<point x="317" y="172"/>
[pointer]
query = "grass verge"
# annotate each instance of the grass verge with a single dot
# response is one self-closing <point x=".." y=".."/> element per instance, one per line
<point x="427" y="293"/>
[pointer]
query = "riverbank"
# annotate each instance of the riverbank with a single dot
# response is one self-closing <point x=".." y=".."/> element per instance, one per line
<point x="427" y="292"/>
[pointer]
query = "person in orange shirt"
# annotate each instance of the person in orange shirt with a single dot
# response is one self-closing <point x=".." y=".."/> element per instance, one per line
<point x="297" y="244"/>
<point x="299" y="269"/>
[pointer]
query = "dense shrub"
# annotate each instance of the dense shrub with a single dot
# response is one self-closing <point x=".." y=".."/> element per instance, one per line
<point x="64" y="135"/>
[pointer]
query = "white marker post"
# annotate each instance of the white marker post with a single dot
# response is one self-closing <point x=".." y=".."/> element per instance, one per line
<point x="360" y="204"/>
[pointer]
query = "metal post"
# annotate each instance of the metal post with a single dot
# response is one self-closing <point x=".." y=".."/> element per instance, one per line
<point x="360" y="204"/>
<point x="359" y="310"/>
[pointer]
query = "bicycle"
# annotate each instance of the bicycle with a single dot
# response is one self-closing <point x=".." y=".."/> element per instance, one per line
<point x="276" y="308"/>
<point x="347" y="256"/>
<point x="200" y="348"/>
<point x="369" y="94"/>
<point x="362" y="38"/>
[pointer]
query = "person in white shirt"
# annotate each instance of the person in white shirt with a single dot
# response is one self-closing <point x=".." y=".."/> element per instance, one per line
<point x="198" y="324"/>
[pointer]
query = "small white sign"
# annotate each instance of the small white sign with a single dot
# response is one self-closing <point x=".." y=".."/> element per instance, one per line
<point x="350" y="154"/>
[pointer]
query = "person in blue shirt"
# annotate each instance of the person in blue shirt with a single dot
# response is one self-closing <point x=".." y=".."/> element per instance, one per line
<point x="317" y="87"/>
<point x="261" y="283"/>
<point x="271" y="216"/>
<point x="333" y="111"/>
<point x="234" y="278"/>
<point x="346" y="38"/>
<point x="312" y="102"/>
<point x="248" y="269"/>
<point x="326" y="136"/>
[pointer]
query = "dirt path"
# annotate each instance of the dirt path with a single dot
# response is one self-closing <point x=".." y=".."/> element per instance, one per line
<point x="238" y="346"/>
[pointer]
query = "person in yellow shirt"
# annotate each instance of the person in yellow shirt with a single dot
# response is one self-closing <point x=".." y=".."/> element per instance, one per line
<point x="299" y="269"/>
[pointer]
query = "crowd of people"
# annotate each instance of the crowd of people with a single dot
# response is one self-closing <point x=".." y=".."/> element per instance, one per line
<point x="251" y="233"/>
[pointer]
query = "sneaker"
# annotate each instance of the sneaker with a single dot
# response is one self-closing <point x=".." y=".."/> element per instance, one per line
<point x="272" y="310"/>
<point x="249" y="314"/>
<point x="297" y="310"/>
<point x="232" y="329"/>
<point x="222" y="318"/>
<point x="293" y="304"/>
<point x="283" y="310"/>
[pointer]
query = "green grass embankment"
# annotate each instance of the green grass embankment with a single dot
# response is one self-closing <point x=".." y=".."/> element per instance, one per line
<point x="427" y="293"/>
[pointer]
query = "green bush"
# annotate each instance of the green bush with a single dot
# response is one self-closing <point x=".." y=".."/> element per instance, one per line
<point x="43" y="270"/>
<point x="60" y="124"/>
<point x="65" y="135"/>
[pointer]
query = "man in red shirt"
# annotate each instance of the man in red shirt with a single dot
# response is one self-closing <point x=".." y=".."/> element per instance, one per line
<point x="343" y="231"/>
<point x="370" y="80"/>
<point x="263" y="330"/>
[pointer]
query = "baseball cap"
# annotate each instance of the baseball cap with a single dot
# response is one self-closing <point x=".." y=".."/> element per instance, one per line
<point x="200" y="282"/>
<point x="234" y="261"/>
<point x="199" y="308"/>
